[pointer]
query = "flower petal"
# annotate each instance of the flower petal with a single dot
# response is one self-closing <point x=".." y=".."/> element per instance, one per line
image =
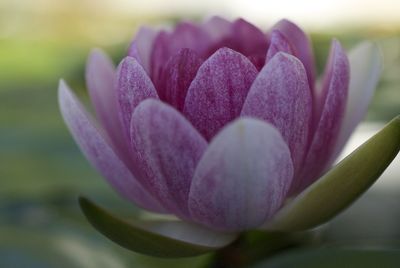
<point x="242" y="37"/>
<point x="99" y="153"/>
<point x="167" y="239"/>
<point x="281" y="96"/>
<point x="217" y="27"/>
<point x="301" y="45"/>
<point x="365" y="68"/>
<point x="248" y="39"/>
<point x="169" y="148"/>
<point x="216" y="95"/>
<point x="100" y="76"/>
<point x="167" y="44"/>
<point x="178" y="73"/>
<point x="133" y="86"/>
<point x="341" y="185"/>
<point x="278" y="43"/>
<point x="242" y="178"/>
<point x="142" y="46"/>
<point x="333" y="99"/>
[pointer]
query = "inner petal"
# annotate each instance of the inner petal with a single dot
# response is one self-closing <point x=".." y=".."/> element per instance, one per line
<point x="216" y="95"/>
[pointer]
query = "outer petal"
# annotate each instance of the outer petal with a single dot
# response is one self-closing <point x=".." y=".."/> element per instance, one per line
<point x="333" y="99"/>
<point x="217" y="93"/>
<point x="281" y="96"/>
<point x="99" y="153"/>
<point x="242" y="178"/>
<point x="365" y="69"/>
<point x="169" y="149"/>
<point x="133" y="86"/>
<point x="301" y="46"/>
<point x="100" y="76"/>
<point x="142" y="46"/>
<point x="178" y="73"/>
<point x="278" y="43"/>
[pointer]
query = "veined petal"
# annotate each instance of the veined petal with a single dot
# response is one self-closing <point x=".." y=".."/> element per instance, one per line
<point x="216" y="95"/>
<point x="333" y="99"/>
<point x="365" y="68"/>
<point x="281" y="96"/>
<point x="178" y="73"/>
<point x="278" y="43"/>
<point x="133" y="86"/>
<point x="142" y="46"/>
<point x="99" y="153"/>
<point x="242" y="178"/>
<point x="169" y="148"/>
<point x="301" y="45"/>
<point x="167" y="44"/>
<point x="100" y="79"/>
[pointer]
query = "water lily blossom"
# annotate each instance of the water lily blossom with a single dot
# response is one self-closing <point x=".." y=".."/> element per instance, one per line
<point x="219" y="123"/>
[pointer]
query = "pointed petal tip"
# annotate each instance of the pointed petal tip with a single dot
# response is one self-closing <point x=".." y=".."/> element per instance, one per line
<point x="287" y="22"/>
<point x="97" y="56"/>
<point x="372" y="48"/>
<point x="96" y="51"/>
<point x="63" y="91"/>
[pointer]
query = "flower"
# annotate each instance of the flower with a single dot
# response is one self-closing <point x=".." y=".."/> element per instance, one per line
<point x="219" y="123"/>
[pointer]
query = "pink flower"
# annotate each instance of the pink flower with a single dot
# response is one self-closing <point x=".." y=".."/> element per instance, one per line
<point x="219" y="123"/>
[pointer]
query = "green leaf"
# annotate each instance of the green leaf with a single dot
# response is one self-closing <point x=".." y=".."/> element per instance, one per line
<point x="168" y="239"/>
<point x="342" y="185"/>
<point x="333" y="258"/>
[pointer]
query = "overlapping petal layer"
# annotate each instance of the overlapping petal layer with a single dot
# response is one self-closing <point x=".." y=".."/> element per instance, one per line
<point x="168" y="148"/>
<point x="217" y="93"/>
<point x="242" y="178"/>
<point x="100" y="153"/>
<point x="218" y="122"/>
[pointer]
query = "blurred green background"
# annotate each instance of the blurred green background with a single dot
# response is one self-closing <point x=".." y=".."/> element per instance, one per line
<point x="42" y="171"/>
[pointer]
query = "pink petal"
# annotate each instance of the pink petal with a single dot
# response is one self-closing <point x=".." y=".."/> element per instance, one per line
<point x="301" y="46"/>
<point x="365" y="69"/>
<point x="217" y="93"/>
<point x="100" y="76"/>
<point x="169" y="149"/>
<point x="167" y="44"/>
<point x="133" y="86"/>
<point x="99" y="152"/>
<point x="249" y="39"/>
<point x="242" y="178"/>
<point x="332" y="99"/>
<point x="281" y="96"/>
<point x="142" y="46"/>
<point x="218" y="28"/>
<point x="278" y="43"/>
<point x="244" y="38"/>
<point x="178" y="73"/>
